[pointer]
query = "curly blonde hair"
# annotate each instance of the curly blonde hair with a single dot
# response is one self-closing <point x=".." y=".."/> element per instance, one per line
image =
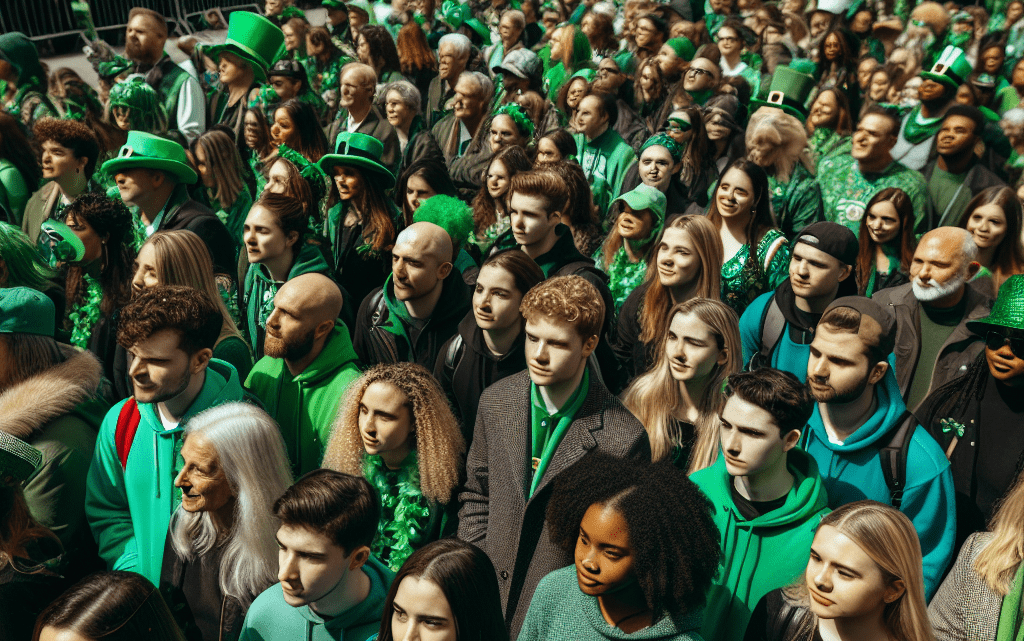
<point x="438" y="436"/>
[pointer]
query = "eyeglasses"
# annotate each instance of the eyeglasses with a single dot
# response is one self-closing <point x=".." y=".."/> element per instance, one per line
<point x="996" y="340"/>
<point x="697" y="71"/>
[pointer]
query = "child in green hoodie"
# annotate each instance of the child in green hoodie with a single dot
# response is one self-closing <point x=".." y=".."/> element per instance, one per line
<point x="766" y="493"/>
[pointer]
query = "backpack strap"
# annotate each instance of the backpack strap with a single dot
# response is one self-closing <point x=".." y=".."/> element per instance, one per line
<point x="773" y="323"/>
<point x="893" y="458"/>
<point x="377" y="303"/>
<point x="128" y="420"/>
<point x="453" y="356"/>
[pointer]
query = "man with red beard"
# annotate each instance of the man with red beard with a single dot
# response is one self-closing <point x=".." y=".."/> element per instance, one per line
<point x="307" y="366"/>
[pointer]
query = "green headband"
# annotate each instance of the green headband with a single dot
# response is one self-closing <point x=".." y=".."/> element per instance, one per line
<point x="663" y="140"/>
<point x="516" y="113"/>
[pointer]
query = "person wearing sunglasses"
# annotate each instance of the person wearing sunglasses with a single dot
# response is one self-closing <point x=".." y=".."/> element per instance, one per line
<point x="701" y="79"/>
<point x="975" y="417"/>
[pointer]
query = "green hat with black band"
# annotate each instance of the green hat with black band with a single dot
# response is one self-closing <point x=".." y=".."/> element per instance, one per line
<point x="18" y="459"/>
<point x="152" y="152"/>
<point x="951" y="69"/>
<point x="26" y="311"/>
<point x="361" y="151"/>
<point x="1007" y="310"/>
<point x="789" y="92"/>
<point x="253" y="38"/>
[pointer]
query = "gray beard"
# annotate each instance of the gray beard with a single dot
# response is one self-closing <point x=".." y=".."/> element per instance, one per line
<point x="927" y="294"/>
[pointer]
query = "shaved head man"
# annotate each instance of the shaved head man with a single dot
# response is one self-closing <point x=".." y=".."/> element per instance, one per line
<point x="420" y="262"/>
<point x="305" y="309"/>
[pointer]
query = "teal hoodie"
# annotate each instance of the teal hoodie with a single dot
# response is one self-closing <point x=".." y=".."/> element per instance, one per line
<point x="762" y="554"/>
<point x="270" y="618"/>
<point x="129" y="510"/>
<point x="852" y="471"/>
<point x="260" y="290"/>
<point x="305" y="405"/>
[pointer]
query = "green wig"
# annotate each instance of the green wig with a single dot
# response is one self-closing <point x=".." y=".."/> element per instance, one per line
<point x="24" y="264"/>
<point x="448" y="213"/>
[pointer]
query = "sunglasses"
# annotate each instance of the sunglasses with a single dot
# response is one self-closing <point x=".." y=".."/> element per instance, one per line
<point x="697" y="71"/>
<point x="996" y="340"/>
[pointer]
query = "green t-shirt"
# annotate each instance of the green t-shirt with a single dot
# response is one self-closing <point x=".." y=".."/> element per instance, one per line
<point x="936" y="327"/>
<point x="945" y="191"/>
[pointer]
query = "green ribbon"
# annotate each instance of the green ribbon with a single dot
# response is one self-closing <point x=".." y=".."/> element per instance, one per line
<point x="949" y="425"/>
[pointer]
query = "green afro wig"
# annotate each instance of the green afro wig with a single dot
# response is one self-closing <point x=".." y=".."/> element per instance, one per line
<point x="448" y="213"/>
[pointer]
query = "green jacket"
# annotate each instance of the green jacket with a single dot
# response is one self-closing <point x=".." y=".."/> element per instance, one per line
<point x="270" y="618"/>
<point x="305" y="405"/>
<point x="763" y="554"/>
<point x="604" y="160"/>
<point x="129" y="509"/>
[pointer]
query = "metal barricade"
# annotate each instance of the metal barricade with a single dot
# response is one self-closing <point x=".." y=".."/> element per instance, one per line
<point x="113" y="14"/>
<point x="194" y="8"/>
<point x="39" y="19"/>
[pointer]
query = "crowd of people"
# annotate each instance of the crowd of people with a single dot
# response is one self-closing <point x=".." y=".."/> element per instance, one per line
<point x="517" y="320"/>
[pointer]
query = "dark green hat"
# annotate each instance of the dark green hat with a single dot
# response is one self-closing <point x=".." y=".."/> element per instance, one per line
<point x="153" y="152"/>
<point x="134" y="93"/>
<point x="682" y="47"/>
<point x="252" y="38"/>
<point x="18" y="459"/>
<point x="1007" y="311"/>
<point x="334" y="4"/>
<point x="26" y="311"/>
<point x="358" y="150"/>
<point x="951" y="69"/>
<point x="789" y="92"/>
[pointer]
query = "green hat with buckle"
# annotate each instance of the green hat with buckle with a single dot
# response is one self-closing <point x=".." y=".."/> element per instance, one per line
<point x="1007" y="311"/>
<point x="358" y="150"/>
<point x="951" y="69"/>
<point x="152" y="152"/>
<point x="789" y="92"/>
<point x="26" y="311"/>
<point x="252" y="38"/>
<point x="18" y="459"/>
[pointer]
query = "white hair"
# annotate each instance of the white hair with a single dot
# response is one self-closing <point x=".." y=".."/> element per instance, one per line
<point x="253" y="457"/>
<point x="407" y="91"/>
<point x="458" y="42"/>
<point x="1013" y="116"/>
<point x="482" y="81"/>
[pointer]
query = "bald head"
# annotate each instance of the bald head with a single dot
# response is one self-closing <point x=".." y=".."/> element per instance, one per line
<point x="955" y="241"/>
<point x="305" y="311"/>
<point x="427" y="239"/>
<point x="311" y="295"/>
<point x="359" y="73"/>
<point x="420" y="262"/>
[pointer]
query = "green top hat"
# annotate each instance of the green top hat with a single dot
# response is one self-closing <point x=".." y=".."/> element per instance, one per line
<point x="789" y="92"/>
<point x="252" y="38"/>
<point x="1007" y="311"/>
<point x="951" y="69"/>
<point x="26" y="311"/>
<point x="358" y="150"/>
<point x="152" y="152"/>
<point x="18" y="459"/>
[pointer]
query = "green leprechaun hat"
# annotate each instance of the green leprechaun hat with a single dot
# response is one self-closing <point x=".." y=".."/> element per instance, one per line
<point x="252" y="38"/>
<point x="789" y="92"/>
<point x="951" y="69"/>
<point x="361" y="151"/>
<point x="1007" y="311"/>
<point x="152" y="152"/>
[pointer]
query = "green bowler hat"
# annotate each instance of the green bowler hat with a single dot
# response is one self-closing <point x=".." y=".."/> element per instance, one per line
<point x="1007" y="311"/>
<point x="153" y="152"/>
<point x="26" y="311"/>
<point x="951" y="69"/>
<point x="789" y="92"/>
<point x="252" y="38"/>
<point x="361" y="151"/>
<point x="18" y="459"/>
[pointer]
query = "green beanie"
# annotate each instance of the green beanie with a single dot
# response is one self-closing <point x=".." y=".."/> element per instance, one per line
<point x="683" y="48"/>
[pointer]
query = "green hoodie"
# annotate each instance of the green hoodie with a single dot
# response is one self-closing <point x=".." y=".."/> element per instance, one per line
<point x="270" y="618"/>
<point x="762" y="554"/>
<point x="260" y="290"/>
<point x="130" y="509"/>
<point x="604" y="160"/>
<point x="305" y="405"/>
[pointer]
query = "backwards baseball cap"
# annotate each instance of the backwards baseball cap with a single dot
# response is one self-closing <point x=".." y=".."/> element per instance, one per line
<point x="879" y="331"/>
<point x="26" y="311"/>
<point x="836" y="240"/>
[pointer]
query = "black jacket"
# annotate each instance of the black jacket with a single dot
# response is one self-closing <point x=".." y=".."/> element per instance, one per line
<point x="200" y="219"/>
<point x="635" y="356"/>
<point x="192" y="591"/>
<point x="776" y="618"/>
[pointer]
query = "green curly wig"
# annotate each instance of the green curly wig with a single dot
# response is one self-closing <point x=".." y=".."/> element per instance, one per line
<point x="448" y="213"/>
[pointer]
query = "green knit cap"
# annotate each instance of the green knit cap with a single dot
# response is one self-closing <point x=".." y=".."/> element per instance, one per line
<point x="683" y="48"/>
<point x="448" y="213"/>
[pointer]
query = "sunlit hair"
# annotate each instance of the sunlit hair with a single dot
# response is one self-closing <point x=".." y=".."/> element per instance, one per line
<point x="224" y="161"/>
<point x="181" y="258"/>
<point x="524" y="271"/>
<point x="571" y="299"/>
<point x="786" y="138"/>
<point x="580" y="212"/>
<point x="485" y="213"/>
<point x="887" y="536"/>
<point x="654" y="396"/>
<point x="657" y="299"/>
<point x="761" y="217"/>
<point x="438" y="437"/>
<point x="414" y="53"/>
<point x="904" y="241"/>
<point x="252" y="455"/>
<point x="459" y="43"/>
<point x="1008" y="258"/>
<point x="998" y="561"/>
<point x="544" y="184"/>
<point x="466" y="577"/>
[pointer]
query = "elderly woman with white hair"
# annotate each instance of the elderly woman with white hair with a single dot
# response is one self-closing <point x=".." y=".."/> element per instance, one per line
<point x="221" y="550"/>
<point x="402" y="103"/>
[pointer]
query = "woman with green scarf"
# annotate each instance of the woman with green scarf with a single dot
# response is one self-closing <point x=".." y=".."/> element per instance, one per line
<point x="625" y="253"/>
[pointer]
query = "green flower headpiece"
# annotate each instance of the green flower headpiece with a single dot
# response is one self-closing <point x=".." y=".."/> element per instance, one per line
<point x="516" y="113"/>
<point x="309" y="171"/>
<point x="448" y="213"/>
<point x="134" y="93"/>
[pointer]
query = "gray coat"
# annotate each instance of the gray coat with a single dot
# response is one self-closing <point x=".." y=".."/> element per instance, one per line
<point x="960" y="348"/>
<point x="519" y="542"/>
<point x="964" y="608"/>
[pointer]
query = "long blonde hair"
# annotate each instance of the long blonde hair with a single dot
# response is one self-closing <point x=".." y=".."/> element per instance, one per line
<point x="438" y="436"/>
<point x="654" y="396"/>
<point x="182" y="258"/>
<point x="998" y="561"/>
<point x="887" y="536"/>
<point x="223" y="159"/>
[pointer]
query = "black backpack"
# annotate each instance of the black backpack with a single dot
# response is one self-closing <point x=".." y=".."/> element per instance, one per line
<point x="773" y="323"/>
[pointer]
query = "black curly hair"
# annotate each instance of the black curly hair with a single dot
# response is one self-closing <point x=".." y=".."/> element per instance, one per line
<point x="112" y="219"/>
<point x="673" y="537"/>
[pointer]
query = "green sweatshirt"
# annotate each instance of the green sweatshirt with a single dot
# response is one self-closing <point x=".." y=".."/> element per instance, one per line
<point x="270" y="618"/>
<point x="763" y="554"/>
<point x="130" y="509"/>
<point x="305" y="405"/>
<point x="604" y="160"/>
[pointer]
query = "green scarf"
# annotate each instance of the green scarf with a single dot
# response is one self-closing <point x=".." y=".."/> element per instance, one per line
<point x="1010" y="615"/>
<point x="916" y="132"/>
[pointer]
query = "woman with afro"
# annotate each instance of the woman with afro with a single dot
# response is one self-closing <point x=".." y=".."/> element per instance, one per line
<point x="638" y="574"/>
